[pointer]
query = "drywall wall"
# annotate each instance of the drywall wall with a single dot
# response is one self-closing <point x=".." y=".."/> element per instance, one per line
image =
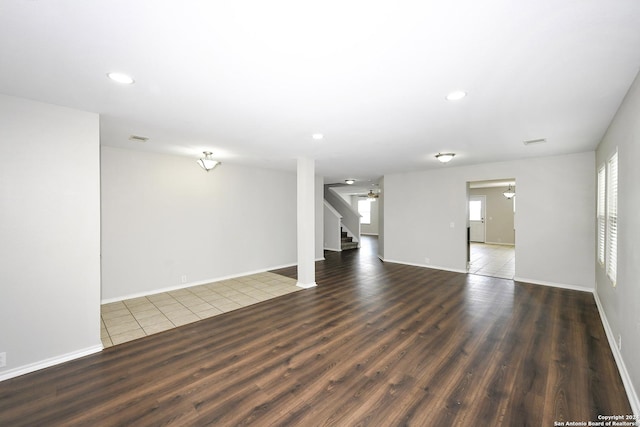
<point x="621" y="304"/>
<point x="554" y="222"/>
<point x="332" y="219"/>
<point x="319" y="216"/>
<point x="499" y="217"/>
<point x="168" y="223"/>
<point x="381" y="219"/>
<point x="49" y="234"/>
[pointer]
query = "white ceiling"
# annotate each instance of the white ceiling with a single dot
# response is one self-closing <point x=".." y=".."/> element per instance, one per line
<point x="252" y="80"/>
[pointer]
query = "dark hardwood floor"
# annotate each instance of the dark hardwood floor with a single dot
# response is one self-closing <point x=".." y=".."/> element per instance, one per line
<point x="374" y="344"/>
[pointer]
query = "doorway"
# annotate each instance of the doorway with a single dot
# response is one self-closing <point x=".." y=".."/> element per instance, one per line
<point x="491" y="228"/>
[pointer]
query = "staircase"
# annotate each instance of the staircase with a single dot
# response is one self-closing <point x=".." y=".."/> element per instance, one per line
<point x="347" y="241"/>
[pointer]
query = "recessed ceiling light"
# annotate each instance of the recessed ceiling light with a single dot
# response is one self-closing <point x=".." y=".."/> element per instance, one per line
<point x="456" y="95"/>
<point x="138" y="138"/>
<point x="445" y="157"/>
<point x="317" y="136"/>
<point x="535" y="141"/>
<point x="349" y="181"/>
<point x="121" y="78"/>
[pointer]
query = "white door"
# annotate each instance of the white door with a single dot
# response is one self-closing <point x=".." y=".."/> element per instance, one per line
<point x="476" y="218"/>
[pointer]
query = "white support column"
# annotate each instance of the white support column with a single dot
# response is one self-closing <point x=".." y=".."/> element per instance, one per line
<point x="306" y="223"/>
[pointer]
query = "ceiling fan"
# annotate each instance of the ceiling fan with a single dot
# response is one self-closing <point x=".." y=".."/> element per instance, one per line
<point x="371" y="196"/>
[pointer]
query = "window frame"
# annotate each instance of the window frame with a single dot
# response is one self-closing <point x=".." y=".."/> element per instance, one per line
<point x="601" y="216"/>
<point x="612" y="219"/>
<point x="367" y="212"/>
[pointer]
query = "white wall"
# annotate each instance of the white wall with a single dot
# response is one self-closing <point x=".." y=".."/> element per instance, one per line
<point x="621" y="304"/>
<point x="554" y="219"/>
<point x="49" y="234"/>
<point x="163" y="217"/>
<point x="332" y="221"/>
<point x="381" y="223"/>
<point x="319" y="201"/>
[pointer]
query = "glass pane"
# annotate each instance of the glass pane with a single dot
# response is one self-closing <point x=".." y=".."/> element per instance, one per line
<point x="364" y="209"/>
<point x="475" y="210"/>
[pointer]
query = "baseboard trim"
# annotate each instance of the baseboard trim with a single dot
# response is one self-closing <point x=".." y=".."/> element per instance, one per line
<point x="500" y="243"/>
<point x="198" y="283"/>
<point x="333" y="249"/>
<point x="553" y="284"/>
<point x="436" y="267"/>
<point x="306" y="285"/>
<point x="622" y="368"/>
<point x="47" y="363"/>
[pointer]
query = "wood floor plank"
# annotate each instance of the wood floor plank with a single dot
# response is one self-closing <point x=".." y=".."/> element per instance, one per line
<point x="374" y="344"/>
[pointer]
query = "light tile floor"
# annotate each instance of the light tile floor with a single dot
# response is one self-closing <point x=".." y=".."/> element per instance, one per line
<point x="127" y="320"/>
<point x="493" y="260"/>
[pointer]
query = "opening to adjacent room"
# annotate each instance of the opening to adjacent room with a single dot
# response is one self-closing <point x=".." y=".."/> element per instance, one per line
<point x="491" y="228"/>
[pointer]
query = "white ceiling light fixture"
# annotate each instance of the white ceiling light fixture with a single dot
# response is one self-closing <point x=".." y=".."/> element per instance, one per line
<point x="456" y="95"/>
<point x="121" y="78"/>
<point x="138" y="138"/>
<point x="445" y="157"/>
<point x="535" y="141"/>
<point x="509" y="193"/>
<point x="317" y="136"/>
<point x="349" y="181"/>
<point x="207" y="163"/>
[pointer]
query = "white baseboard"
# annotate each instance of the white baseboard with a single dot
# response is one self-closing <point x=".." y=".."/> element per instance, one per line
<point x="47" y="363"/>
<point x="622" y="368"/>
<point x="333" y="249"/>
<point x="306" y="285"/>
<point x="553" y="284"/>
<point x="436" y="267"/>
<point x="198" y="283"/>
<point x="500" y="243"/>
<point x="369" y="234"/>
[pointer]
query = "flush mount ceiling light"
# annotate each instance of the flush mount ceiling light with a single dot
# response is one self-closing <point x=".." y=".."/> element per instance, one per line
<point x="121" y="78"/>
<point x="445" y="157"/>
<point x="371" y="196"/>
<point x="138" y="138"/>
<point x="207" y="163"/>
<point x="349" y="181"/>
<point x="509" y="193"/>
<point x="317" y="136"/>
<point x="456" y="95"/>
<point x="535" y="141"/>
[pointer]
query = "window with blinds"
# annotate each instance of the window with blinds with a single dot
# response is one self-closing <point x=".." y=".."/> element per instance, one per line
<point x="364" y="209"/>
<point x="601" y="213"/>
<point x="612" y="218"/>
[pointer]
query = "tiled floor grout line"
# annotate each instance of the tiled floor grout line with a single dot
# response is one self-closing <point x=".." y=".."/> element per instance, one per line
<point x="492" y="260"/>
<point x="233" y="294"/>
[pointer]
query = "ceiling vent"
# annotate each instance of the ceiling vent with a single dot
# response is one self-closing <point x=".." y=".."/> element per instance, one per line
<point x="138" y="138"/>
<point x="535" y="141"/>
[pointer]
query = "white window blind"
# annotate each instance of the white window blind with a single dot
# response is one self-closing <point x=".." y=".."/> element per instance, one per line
<point x="364" y="209"/>
<point x="601" y="213"/>
<point x="612" y="219"/>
